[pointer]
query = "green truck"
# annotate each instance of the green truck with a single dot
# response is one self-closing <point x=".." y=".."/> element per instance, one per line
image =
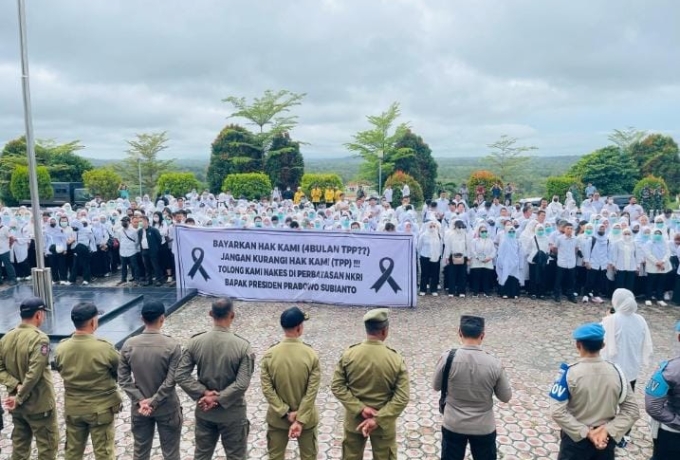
<point x="73" y="193"/>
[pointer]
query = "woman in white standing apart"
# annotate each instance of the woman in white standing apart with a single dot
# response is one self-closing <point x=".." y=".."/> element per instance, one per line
<point x="658" y="263"/>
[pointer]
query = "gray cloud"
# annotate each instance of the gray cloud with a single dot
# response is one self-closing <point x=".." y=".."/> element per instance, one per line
<point x="559" y="75"/>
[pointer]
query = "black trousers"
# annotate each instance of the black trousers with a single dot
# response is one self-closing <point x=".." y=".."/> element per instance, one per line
<point x="584" y="450"/>
<point x="510" y="288"/>
<point x="537" y="276"/>
<point x="625" y="280"/>
<point x="596" y="282"/>
<point x="655" y="283"/>
<point x="480" y="280"/>
<point x="456" y="277"/>
<point x="667" y="446"/>
<point x="429" y="274"/>
<point x="564" y="279"/>
<point x="152" y="266"/>
<point x="58" y="265"/>
<point x="483" y="447"/>
<point x="81" y="261"/>
<point x="131" y="262"/>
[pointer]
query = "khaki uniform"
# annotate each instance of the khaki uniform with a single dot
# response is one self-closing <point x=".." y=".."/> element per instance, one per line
<point x="89" y="365"/>
<point x="225" y="363"/>
<point x="290" y="377"/>
<point x="24" y="356"/>
<point x="371" y="374"/>
<point x="594" y="387"/>
<point x="153" y="359"/>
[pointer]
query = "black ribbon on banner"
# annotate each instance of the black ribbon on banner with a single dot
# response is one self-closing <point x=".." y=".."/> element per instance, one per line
<point x="386" y="276"/>
<point x="198" y="264"/>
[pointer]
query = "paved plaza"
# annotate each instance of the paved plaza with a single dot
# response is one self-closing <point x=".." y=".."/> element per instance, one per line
<point x="531" y="338"/>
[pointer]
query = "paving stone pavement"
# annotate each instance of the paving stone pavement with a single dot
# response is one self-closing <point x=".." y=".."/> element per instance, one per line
<point x="531" y="338"/>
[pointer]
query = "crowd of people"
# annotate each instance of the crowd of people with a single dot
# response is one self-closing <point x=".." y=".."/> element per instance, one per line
<point x="582" y="251"/>
<point x="593" y="399"/>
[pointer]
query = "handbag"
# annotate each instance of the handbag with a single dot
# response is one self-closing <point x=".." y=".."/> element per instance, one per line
<point x="458" y="259"/>
<point x="445" y="380"/>
<point x="541" y="258"/>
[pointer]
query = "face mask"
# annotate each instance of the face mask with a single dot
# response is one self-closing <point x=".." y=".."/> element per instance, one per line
<point x="554" y="200"/>
<point x="516" y="225"/>
<point x="53" y="224"/>
<point x="596" y="221"/>
<point x="63" y="224"/>
<point x="627" y="237"/>
<point x="432" y="229"/>
<point x="317" y="225"/>
<point x="548" y="230"/>
<point x="511" y="235"/>
<point x="589" y="231"/>
<point x="616" y="231"/>
<point x="125" y="224"/>
<point x="258" y="224"/>
<point x="657" y="238"/>
<point x="483" y="235"/>
<point x="601" y="233"/>
<point x="645" y="237"/>
<point x="659" y="225"/>
<point x="540" y="233"/>
<point x="345" y="224"/>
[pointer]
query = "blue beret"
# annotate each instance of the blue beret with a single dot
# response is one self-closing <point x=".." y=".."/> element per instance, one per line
<point x="677" y="327"/>
<point x="589" y="331"/>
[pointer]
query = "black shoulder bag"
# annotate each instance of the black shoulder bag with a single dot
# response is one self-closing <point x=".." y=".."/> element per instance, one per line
<point x="445" y="380"/>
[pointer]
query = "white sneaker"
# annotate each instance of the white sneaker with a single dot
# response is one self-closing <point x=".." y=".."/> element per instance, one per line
<point x="28" y="278"/>
<point x="667" y="296"/>
<point x="66" y="283"/>
<point x="435" y="294"/>
<point x="63" y="283"/>
<point x="462" y="296"/>
<point x="170" y="279"/>
<point x="585" y="299"/>
<point x="661" y="303"/>
<point x="648" y="303"/>
<point x="85" y="283"/>
<point x="422" y="294"/>
<point x="505" y="297"/>
<point x="106" y="275"/>
<point x="598" y="300"/>
<point x="450" y="295"/>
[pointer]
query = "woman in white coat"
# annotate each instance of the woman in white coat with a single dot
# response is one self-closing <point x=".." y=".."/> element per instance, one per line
<point x="481" y="262"/>
<point x="430" y="246"/>
<point x="625" y="261"/>
<point x="456" y="255"/>
<point x="658" y="263"/>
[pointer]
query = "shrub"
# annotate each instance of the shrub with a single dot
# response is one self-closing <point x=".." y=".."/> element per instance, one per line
<point x="397" y="181"/>
<point x="560" y="185"/>
<point x="322" y="180"/>
<point x="485" y="178"/>
<point x="20" y="189"/>
<point x="103" y="182"/>
<point x="652" y="193"/>
<point x="177" y="183"/>
<point x="252" y="186"/>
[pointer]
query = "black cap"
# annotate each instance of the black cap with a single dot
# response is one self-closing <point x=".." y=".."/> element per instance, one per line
<point x="125" y="219"/>
<point x="32" y="305"/>
<point x="84" y="311"/>
<point x="152" y="310"/>
<point x="293" y="317"/>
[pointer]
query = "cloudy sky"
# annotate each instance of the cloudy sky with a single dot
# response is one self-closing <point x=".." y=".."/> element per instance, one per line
<point x="559" y="75"/>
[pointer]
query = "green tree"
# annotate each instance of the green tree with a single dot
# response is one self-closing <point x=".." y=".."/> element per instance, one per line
<point x="658" y="155"/>
<point x="612" y="171"/>
<point x="271" y="113"/>
<point x="322" y="180"/>
<point x="379" y="144"/>
<point x="414" y="157"/>
<point x="560" y="185"/>
<point x="651" y="146"/>
<point x="103" y="182"/>
<point x="626" y="138"/>
<point x="61" y="160"/>
<point x="177" y="183"/>
<point x="397" y="181"/>
<point x="483" y="178"/>
<point x="652" y="193"/>
<point x="507" y="159"/>
<point x="143" y="154"/>
<point x="19" y="184"/>
<point x="284" y="165"/>
<point x="234" y="151"/>
<point x="252" y="186"/>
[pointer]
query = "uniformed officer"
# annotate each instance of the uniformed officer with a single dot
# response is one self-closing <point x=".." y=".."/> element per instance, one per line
<point x="225" y="364"/>
<point x="24" y="370"/>
<point x="662" y="403"/>
<point x="594" y="404"/>
<point x="153" y="358"/>
<point x="290" y="376"/>
<point x="88" y="366"/>
<point x="371" y="381"/>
